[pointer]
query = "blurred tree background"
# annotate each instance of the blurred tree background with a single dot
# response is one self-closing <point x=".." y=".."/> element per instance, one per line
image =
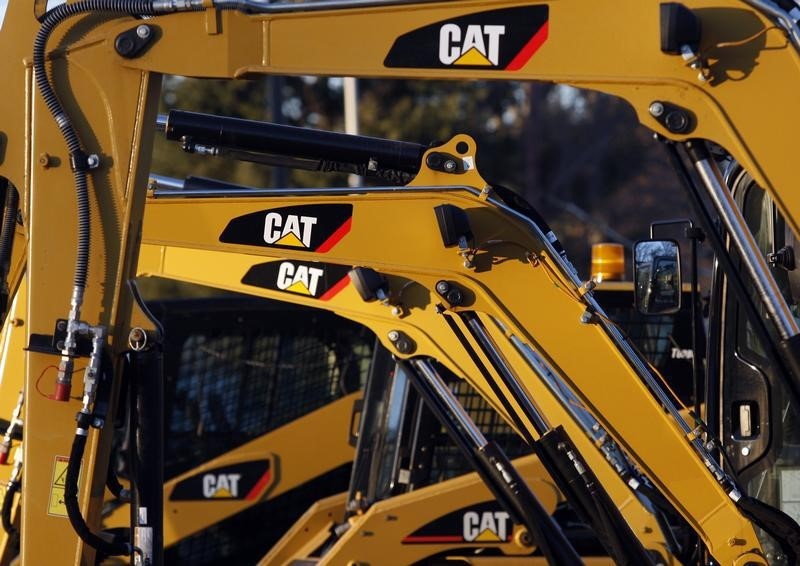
<point x="579" y="157"/>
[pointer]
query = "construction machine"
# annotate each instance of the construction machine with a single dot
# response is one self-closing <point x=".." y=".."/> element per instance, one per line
<point x="452" y="268"/>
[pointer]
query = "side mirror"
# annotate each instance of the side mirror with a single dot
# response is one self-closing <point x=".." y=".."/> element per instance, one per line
<point x="657" y="274"/>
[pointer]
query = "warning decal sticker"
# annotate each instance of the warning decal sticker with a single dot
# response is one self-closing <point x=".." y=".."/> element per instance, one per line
<point x="56" y="505"/>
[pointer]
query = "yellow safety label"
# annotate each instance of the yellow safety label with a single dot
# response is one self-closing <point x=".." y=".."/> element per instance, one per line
<point x="56" y="506"/>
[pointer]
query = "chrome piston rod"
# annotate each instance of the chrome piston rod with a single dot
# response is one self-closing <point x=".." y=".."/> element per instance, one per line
<point x="510" y="380"/>
<point x="743" y="240"/>
<point x="446" y="396"/>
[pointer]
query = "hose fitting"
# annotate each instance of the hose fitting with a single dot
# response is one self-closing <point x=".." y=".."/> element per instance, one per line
<point x="16" y="422"/>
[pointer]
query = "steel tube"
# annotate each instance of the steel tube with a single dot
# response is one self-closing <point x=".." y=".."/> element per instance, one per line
<point x="743" y="240"/>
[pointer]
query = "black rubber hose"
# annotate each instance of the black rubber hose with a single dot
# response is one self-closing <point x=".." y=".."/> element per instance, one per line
<point x="7" y="231"/>
<point x="8" y="503"/>
<point x="113" y="485"/>
<point x="777" y="523"/>
<point x="52" y="19"/>
<point x="7" y="241"/>
<point x="74" y="510"/>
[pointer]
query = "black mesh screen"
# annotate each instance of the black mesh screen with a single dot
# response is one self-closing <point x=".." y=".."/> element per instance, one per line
<point x="239" y="368"/>
<point x="236" y="371"/>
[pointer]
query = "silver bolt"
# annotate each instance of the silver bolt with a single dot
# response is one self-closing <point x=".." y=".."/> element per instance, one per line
<point x="442" y="287"/>
<point x="746" y="451"/>
<point x="143" y="31"/>
<point x="449" y="165"/>
<point x="393" y="335"/>
<point x="656" y="109"/>
<point x="98" y="423"/>
<point x="93" y="161"/>
<point x="396" y="311"/>
<point x="586" y="317"/>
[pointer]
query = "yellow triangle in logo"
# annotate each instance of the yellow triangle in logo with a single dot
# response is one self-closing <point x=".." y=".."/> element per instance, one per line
<point x="473" y="57"/>
<point x="487" y="536"/>
<point x="290" y="240"/>
<point x="222" y="493"/>
<point x="298" y="288"/>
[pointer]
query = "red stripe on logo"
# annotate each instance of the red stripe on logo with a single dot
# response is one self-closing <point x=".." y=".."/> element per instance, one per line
<point x="530" y="48"/>
<point x="340" y="233"/>
<point x="260" y="485"/>
<point x="333" y="291"/>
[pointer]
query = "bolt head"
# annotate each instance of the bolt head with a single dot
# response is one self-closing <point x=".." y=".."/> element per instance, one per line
<point x="677" y="122"/>
<point x="93" y="161"/>
<point x="442" y="287"/>
<point x="745" y="451"/>
<point x="434" y="160"/>
<point x="450" y="166"/>
<point x="656" y="109"/>
<point x="393" y="335"/>
<point x="143" y="31"/>
<point x="525" y="538"/>
<point x="454" y="297"/>
<point x="404" y="346"/>
<point x="124" y="45"/>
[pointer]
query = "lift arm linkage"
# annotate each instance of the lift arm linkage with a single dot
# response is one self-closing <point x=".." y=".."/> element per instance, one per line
<point x="110" y="95"/>
<point x="521" y="289"/>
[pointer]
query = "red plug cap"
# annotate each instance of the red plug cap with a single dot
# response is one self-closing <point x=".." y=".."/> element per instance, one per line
<point x="62" y="391"/>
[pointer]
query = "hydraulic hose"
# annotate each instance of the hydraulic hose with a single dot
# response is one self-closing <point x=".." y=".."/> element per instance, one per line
<point x="6" y="241"/>
<point x="115" y="487"/>
<point x="80" y="162"/>
<point x="78" y="158"/>
<point x="73" y="508"/>
<point x="8" y="503"/>
<point x="776" y="523"/>
<point x="7" y="231"/>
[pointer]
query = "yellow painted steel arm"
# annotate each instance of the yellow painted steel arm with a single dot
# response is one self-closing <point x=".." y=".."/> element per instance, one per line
<point x="534" y="300"/>
<point x="398" y="518"/>
<point x="611" y="46"/>
<point x="424" y="326"/>
<point x="181" y="520"/>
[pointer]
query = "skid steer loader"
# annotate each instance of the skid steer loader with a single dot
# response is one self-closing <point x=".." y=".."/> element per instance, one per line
<point x="446" y="267"/>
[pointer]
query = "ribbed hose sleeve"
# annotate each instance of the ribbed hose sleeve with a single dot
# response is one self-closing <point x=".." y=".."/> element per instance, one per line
<point x="7" y="231"/>
<point x="52" y="19"/>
